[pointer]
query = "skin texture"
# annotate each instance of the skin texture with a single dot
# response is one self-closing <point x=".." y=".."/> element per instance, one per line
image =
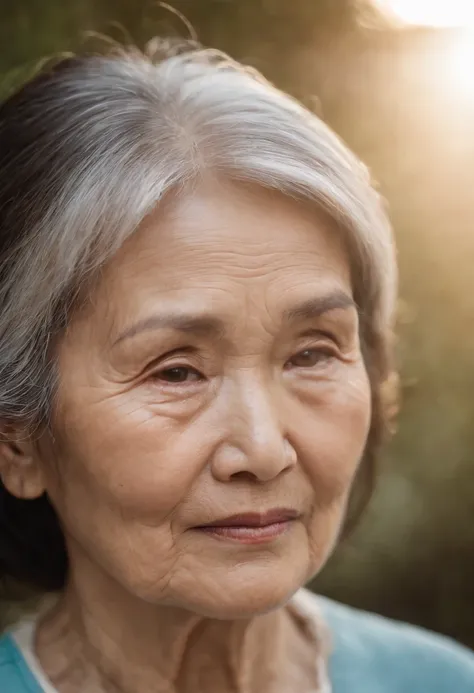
<point x="269" y="408"/>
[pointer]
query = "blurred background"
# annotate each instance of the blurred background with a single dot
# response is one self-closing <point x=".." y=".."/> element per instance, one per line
<point x="395" y="79"/>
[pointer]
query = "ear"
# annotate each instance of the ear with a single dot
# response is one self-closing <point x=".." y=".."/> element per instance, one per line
<point x="20" y="465"/>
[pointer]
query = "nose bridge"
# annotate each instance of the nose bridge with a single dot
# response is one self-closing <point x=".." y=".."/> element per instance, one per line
<point x="257" y="424"/>
<point x="254" y="444"/>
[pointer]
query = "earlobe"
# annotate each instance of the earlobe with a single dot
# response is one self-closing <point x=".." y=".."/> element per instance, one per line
<point x="20" y="468"/>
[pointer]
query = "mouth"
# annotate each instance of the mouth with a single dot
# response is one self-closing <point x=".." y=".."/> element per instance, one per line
<point x="251" y="528"/>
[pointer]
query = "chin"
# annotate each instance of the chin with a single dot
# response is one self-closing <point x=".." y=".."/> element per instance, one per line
<point x="245" y="591"/>
<point x="256" y="603"/>
<point x="241" y="604"/>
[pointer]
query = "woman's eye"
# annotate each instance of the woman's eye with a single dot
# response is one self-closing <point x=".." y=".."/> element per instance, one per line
<point x="178" y="374"/>
<point x="309" y="358"/>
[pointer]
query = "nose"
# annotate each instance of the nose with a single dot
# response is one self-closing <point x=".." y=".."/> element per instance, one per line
<point x="255" y="445"/>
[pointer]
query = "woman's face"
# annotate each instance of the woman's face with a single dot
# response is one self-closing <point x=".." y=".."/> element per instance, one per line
<point x="216" y="371"/>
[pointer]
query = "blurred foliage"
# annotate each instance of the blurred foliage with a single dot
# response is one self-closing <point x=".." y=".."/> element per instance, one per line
<point x="389" y="94"/>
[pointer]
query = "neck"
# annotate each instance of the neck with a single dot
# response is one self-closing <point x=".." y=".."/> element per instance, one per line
<point x="105" y="643"/>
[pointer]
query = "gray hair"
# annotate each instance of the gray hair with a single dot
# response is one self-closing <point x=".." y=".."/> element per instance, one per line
<point x="89" y="147"/>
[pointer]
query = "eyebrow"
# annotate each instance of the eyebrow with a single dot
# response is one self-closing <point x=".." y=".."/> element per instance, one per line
<point x="315" y="307"/>
<point x="204" y="325"/>
<point x="210" y="326"/>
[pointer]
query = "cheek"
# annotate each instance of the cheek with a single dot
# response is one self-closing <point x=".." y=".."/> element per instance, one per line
<point x="123" y="458"/>
<point x="331" y="449"/>
<point x="123" y="473"/>
<point x="333" y="436"/>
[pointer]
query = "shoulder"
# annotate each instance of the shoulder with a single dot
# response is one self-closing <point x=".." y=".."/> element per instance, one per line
<point x="15" y="676"/>
<point x="382" y="656"/>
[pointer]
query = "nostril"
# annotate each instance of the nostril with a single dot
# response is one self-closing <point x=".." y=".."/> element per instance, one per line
<point x="244" y="475"/>
<point x="252" y="461"/>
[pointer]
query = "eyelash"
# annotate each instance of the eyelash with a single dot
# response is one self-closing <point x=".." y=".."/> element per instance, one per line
<point x="178" y="367"/>
<point x="323" y="353"/>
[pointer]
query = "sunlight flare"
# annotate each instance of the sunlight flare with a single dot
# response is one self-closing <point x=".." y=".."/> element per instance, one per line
<point x="440" y="13"/>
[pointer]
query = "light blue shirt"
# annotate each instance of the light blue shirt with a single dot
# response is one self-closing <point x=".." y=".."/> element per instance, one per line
<point x="370" y="655"/>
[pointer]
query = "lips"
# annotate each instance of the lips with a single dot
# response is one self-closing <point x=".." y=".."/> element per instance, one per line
<point x="251" y="528"/>
<point x="263" y="519"/>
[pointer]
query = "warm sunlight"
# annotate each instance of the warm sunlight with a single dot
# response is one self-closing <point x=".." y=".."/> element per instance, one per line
<point x="459" y="64"/>
<point x="441" y="13"/>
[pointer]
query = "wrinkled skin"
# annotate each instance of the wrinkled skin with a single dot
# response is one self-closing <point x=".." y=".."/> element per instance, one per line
<point x="159" y="429"/>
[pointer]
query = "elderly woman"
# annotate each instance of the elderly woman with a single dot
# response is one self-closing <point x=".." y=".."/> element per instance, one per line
<point x="197" y="286"/>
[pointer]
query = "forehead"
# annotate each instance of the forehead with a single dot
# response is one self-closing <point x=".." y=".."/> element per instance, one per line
<point x="224" y="245"/>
